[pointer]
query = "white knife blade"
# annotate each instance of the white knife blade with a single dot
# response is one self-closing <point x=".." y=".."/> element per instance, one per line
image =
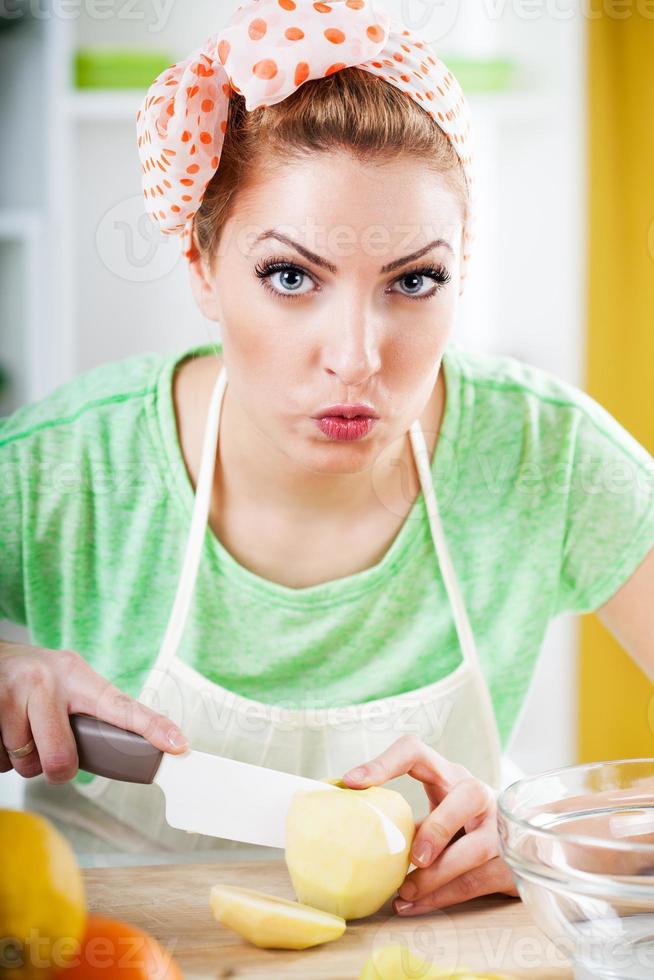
<point x="209" y="794"/>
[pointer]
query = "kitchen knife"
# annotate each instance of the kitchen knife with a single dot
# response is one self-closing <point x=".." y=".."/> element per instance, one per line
<point x="204" y="793"/>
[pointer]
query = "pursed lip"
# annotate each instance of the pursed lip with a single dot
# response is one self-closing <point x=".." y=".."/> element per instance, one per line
<point x="346" y="411"/>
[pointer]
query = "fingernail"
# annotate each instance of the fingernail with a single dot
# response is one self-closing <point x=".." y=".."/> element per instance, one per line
<point x="403" y="906"/>
<point x="423" y="855"/>
<point x="176" y="738"/>
<point x="356" y="775"/>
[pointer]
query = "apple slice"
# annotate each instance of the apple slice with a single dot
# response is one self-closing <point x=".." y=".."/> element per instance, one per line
<point x="270" y="922"/>
<point x="396" y="962"/>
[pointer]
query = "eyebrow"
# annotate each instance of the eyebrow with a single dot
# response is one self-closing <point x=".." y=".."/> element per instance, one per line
<point x="324" y="264"/>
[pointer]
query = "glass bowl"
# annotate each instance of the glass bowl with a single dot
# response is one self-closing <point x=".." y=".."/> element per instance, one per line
<point x="580" y="843"/>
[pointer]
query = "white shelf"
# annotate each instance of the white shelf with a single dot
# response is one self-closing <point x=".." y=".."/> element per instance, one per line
<point x="93" y="105"/>
<point x="513" y="106"/>
<point x="20" y="224"/>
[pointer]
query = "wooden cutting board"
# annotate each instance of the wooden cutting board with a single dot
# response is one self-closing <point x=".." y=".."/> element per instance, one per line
<point x="171" y="902"/>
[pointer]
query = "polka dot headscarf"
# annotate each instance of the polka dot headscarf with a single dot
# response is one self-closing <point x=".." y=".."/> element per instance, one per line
<point x="266" y="51"/>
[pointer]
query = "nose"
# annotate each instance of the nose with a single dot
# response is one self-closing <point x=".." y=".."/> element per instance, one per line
<point x="352" y="351"/>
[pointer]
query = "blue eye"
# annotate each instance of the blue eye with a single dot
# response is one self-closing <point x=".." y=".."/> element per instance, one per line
<point x="437" y="274"/>
<point x="267" y="269"/>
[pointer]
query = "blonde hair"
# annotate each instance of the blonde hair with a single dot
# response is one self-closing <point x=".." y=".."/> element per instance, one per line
<point x="351" y="110"/>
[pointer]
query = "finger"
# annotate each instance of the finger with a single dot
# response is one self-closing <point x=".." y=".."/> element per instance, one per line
<point x="408" y="754"/>
<point x="5" y="761"/>
<point x="466" y="805"/>
<point x="471" y="851"/>
<point x="27" y="765"/>
<point x="52" y="733"/>
<point x="494" y="876"/>
<point x="16" y="731"/>
<point x="109" y="703"/>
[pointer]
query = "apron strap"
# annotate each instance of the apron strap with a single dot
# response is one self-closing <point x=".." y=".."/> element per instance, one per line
<point x="461" y="622"/>
<point x="188" y="575"/>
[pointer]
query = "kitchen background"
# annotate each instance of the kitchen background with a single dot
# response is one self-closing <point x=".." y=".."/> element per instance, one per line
<point x="562" y="96"/>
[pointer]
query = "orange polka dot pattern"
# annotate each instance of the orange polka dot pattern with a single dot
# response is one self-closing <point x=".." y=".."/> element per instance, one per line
<point x="265" y="52"/>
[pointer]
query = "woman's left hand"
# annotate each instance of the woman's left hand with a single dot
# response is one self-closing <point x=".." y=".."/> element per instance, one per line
<point x="448" y="870"/>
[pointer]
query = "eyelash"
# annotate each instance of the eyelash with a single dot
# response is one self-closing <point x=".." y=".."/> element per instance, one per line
<point x="266" y="269"/>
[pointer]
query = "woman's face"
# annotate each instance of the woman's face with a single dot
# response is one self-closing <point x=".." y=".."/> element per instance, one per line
<point x="352" y="322"/>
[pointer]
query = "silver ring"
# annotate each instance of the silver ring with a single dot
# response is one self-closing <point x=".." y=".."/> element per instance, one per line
<point x="22" y="751"/>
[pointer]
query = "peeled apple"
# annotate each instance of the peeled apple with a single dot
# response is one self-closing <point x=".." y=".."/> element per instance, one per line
<point x="396" y="962"/>
<point x="336" y="849"/>
<point x="271" y="922"/>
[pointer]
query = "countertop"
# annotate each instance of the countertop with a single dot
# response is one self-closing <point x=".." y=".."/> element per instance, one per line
<point x="171" y="902"/>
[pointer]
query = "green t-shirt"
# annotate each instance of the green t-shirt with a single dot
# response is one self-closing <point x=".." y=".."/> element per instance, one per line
<point x="547" y="505"/>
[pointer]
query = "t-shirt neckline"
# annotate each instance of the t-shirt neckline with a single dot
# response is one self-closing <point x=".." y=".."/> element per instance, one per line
<point x="346" y="587"/>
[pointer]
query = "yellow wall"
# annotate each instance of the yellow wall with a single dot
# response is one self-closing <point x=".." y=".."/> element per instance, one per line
<point x="616" y="716"/>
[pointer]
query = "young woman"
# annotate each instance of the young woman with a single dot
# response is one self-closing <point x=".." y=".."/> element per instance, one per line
<point x="363" y="530"/>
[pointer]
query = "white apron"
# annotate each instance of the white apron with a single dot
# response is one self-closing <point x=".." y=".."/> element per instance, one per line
<point x="453" y="714"/>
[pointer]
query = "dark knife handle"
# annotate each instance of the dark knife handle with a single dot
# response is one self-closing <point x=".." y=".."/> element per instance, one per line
<point x="107" y="750"/>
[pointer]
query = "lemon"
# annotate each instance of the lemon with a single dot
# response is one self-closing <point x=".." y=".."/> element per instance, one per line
<point x="42" y="898"/>
<point x="271" y="922"/>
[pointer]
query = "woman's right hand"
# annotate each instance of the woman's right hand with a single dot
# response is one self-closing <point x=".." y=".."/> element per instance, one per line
<point x="40" y="688"/>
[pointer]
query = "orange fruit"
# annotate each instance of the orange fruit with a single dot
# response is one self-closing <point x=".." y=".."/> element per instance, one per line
<point x="114" y="950"/>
